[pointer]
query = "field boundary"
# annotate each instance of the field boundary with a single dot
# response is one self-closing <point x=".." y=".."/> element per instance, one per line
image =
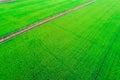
<point x="27" y="28"/>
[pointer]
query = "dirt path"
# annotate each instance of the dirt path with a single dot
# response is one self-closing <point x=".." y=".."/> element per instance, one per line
<point x="3" y="1"/>
<point x="27" y="28"/>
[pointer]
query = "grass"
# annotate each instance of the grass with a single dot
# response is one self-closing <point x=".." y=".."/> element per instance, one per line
<point x="82" y="45"/>
<point x="20" y="13"/>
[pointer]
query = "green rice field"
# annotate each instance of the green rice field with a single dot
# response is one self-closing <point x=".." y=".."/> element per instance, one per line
<point x="21" y="13"/>
<point x="82" y="45"/>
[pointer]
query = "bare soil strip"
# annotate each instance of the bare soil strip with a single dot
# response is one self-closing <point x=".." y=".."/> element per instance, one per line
<point x="27" y="28"/>
<point x="3" y="1"/>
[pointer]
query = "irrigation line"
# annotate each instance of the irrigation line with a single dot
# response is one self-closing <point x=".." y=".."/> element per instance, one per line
<point x="27" y="28"/>
<point x="106" y="54"/>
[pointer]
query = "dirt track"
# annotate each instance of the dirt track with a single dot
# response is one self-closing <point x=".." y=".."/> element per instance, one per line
<point x="3" y="1"/>
<point x="27" y="28"/>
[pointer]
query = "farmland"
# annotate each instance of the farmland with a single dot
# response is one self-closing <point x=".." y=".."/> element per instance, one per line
<point x="82" y="45"/>
<point x="21" y="13"/>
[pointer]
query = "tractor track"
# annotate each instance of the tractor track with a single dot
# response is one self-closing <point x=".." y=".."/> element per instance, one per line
<point x="106" y="54"/>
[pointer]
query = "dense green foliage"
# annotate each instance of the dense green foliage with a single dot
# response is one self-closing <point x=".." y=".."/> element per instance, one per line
<point x="21" y="13"/>
<point x="82" y="45"/>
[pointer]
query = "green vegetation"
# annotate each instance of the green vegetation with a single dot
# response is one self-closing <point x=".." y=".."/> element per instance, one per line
<point x="20" y="13"/>
<point x="82" y="45"/>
